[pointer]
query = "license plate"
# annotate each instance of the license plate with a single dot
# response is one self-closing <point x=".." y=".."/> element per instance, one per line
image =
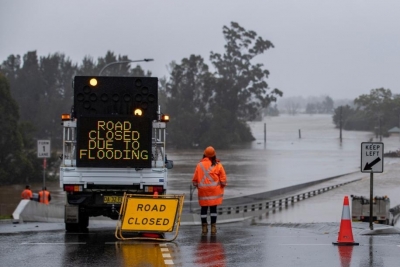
<point x="112" y="199"/>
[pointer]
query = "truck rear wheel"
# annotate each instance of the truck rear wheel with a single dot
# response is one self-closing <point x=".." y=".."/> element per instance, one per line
<point x="81" y="226"/>
<point x="83" y="222"/>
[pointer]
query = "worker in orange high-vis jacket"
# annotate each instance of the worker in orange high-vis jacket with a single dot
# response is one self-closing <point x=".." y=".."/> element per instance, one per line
<point x="44" y="196"/>
<point x="210" y="180"/>
<point x="27" y="193"/>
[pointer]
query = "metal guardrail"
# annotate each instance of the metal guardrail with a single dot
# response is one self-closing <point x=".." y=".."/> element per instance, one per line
<point x="274" y="204"/>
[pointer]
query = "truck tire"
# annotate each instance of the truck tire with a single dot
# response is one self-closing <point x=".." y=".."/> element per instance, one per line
<point x="81" y="226"/>
<point x="71" y="227"/>
<point x="83" y="222"/>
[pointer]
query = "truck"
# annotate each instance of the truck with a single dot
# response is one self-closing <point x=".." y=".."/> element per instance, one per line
<point x="114" y="142"/>
<point x="360" y="209"/>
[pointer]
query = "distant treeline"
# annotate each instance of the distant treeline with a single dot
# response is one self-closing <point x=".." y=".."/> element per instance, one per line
<point x="206" y="107"/>
<point x="378" y="112"/>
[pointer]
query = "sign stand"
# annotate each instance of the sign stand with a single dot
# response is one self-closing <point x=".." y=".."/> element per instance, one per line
<point x="148" y="217"/>
<point x="371" y="162"/>
<point x="371" y="197"/>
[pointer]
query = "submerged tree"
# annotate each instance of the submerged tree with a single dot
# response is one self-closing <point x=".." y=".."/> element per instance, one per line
<point x="188" y="92"/>
<point x="211" y="108"/>
<point x="241" y="86"/>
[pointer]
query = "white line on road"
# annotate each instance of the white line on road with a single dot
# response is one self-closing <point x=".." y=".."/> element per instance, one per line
<point x="305" y="244"/>
<point x="71" y="243"/>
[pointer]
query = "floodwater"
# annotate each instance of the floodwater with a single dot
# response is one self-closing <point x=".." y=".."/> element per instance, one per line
<point x="298" y="149"/>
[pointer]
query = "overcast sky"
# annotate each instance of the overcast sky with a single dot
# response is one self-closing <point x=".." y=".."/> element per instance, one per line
<point x="338" y="48"/>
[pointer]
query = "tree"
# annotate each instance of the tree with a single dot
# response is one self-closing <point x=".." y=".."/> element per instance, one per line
<point x="327" y="105"/>
<point x="212" y="108"/>
<point x="188" y="96"/>
<point x="377" y="107"/>
<point x="15" y="163"/>
<point x="241" y="86"/>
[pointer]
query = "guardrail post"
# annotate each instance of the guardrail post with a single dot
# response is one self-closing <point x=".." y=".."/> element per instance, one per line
<point x="220" y="211"/>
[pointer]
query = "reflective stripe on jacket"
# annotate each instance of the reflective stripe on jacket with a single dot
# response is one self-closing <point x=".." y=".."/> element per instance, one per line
<point x="210" y="182"/>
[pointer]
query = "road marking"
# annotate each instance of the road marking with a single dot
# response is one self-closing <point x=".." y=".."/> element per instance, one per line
<point x="164" y="248"/>
<point x="305" y="244"/>
<point x="70" y="243"/>
<point x="169" y="262"/>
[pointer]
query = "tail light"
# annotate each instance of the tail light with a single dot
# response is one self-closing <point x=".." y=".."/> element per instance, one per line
<point x="73" y="188"/>
<point x="152" y="189"/>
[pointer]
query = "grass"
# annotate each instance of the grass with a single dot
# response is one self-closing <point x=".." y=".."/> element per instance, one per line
<point x="5" y="217"/>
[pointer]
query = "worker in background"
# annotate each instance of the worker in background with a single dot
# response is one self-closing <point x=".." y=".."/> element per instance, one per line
<point x="210" y="179"/>
<point x="44" y="196"/>
<point x="27" y="193"/>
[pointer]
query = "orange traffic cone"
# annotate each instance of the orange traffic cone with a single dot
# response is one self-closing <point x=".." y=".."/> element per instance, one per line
<point x="345" y="237"/>
<point x="155" y="195"/>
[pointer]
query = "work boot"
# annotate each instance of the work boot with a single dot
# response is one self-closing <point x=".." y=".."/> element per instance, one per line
<point x="204" y="229"/>
<point x="213" y="229"/>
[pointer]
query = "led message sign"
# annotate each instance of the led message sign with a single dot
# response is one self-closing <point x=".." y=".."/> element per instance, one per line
<point x="119" y="142"/>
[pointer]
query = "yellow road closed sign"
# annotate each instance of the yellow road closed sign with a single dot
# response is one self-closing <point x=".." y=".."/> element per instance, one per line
<point x="150" y="214"/>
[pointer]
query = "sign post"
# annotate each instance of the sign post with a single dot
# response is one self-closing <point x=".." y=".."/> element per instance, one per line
<point x="371" y="162"/>
<point x="44" y="152"/>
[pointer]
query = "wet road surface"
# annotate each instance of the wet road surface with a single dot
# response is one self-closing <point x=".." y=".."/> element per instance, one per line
<point x="242" y="244"/>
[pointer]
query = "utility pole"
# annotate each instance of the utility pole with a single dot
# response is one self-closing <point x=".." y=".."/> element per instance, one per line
<point x="340" y="122"/>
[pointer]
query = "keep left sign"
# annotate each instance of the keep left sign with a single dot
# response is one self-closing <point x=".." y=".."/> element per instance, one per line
<point x="372" y="157"/>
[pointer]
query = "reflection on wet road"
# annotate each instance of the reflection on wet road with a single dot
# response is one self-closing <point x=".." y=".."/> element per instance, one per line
<point x="241" y="244"/>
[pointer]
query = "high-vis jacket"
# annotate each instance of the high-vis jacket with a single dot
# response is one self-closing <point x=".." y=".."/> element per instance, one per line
<point x="26" y="194"/>
<point x="46" y="199"/>
<point x="210" y="181"/>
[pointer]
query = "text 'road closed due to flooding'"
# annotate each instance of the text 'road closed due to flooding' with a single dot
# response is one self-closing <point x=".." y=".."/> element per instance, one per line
<point x="145" y="214"/>
<point x="114" y="142"/>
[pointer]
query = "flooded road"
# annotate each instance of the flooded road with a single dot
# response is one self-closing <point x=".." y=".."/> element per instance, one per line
<point x="285" y="159"/>
<point x="298" y="149"/>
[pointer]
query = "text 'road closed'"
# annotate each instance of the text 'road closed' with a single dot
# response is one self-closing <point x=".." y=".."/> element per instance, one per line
<point x="147" y="214"/>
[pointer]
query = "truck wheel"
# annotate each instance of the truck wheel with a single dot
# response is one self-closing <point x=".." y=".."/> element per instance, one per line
<point x="83" y="222"/>
<point x="71" y="227"/>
